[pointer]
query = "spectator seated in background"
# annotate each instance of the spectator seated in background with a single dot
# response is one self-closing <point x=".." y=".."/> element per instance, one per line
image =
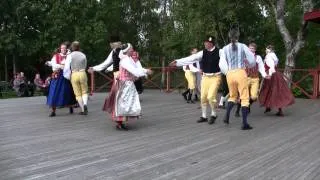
<point x="40" y="85"/>
<point x="20" y="86"/>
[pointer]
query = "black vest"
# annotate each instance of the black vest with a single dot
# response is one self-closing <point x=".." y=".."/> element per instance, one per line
<point x="116" y="59"/>
<point x="210" y="61"/>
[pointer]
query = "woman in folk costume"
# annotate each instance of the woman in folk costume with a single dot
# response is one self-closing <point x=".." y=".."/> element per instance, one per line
<point x="275" y="92"/>
<point x="60" y="90"/>
<point x="190" y="71"/>
<point x="127" y="104"/>
<point x="112" y="60"/>
<point x="232" y="63"/>
<point x="211" y="76"/>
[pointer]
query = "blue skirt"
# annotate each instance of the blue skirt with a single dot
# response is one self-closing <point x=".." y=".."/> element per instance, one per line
<point x="60" y="92"/>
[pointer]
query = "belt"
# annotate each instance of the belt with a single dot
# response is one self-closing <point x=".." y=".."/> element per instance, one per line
<point x="211" y="74"/>
<point x="81" y="70"/>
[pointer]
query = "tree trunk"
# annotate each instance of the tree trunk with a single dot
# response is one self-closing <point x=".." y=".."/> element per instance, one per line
<point x="5" y="69"/>
<point x="14" y="64"/>
<point x="292" y="46"/>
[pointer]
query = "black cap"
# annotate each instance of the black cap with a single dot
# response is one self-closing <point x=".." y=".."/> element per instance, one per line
<point x="210" y="39"/>
<point x="114" y="38"/>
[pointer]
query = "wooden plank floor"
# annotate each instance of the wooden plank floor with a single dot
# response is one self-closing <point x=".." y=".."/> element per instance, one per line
<point x="166" y="143"/>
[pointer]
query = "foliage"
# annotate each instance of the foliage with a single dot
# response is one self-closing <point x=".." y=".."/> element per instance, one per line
<point x="31" y="29"/>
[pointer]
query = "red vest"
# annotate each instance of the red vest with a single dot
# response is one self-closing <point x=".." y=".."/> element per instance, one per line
<point x="254" y="71"/>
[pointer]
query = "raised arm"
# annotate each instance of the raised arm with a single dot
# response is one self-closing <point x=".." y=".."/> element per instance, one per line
<point x="127" y="64"/>
<point x="190" y="59"/>
<point x="261" y="66"/>
<point x="106" y="63"/>
<point x="223" y="64"/>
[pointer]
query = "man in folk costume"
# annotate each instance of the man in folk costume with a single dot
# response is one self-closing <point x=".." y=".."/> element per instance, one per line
<point x="60" y="90"/>
<point x="77" y="63"/>
<point x="114" y="60"/>
<point x="232" y="63"/>
<point x="127" y="104"/>
<point x="253" y="77"/>
<point x="275" y="92"/>
<point x="190" y="74"/>
<point x="211" y="77"/>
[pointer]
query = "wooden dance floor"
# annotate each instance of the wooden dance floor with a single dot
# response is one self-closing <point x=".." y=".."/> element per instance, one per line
<point x="166" y="143"/>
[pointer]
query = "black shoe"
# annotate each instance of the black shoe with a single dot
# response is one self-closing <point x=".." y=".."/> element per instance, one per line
<point x="279" y="113"/>
<point x="52" y="114"/>
<point x="202" y="119"/>
<point x="267" y="110"/>
<point x="71" y="110"/>
<point x="185" y="96"/>
<point x="82" y="113"/>
<point x="85" y="109"/>
<point x="237" y="114"/>
<point x="124" y="127"/>
<point x="118" y="127"/>
<point x="226" y="121"/>
<point x="246" y="127"/>
<point x="212" y="119"/>
<point x="190" y="101"/>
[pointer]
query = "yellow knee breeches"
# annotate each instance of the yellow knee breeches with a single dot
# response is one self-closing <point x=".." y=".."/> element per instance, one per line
<point x="253" y="87"/>
<point x="79" y="83"/>
<point x="238" y="83"/>
<point x="209" y="89"/>
<point x="191" y="78"/>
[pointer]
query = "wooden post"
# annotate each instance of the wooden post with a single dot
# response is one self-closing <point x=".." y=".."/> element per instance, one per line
<point x="162" y="73"/>
<point x="92" y="83"/>
<point x="168" y="79"/>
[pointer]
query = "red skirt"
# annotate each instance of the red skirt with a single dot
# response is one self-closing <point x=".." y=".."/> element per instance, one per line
<point x="109" y="102"/>
<point x="275" y="92"/>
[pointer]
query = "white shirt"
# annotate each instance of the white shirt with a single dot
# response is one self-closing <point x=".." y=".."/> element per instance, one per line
<point x="261" y="68"/>
<point x="54" y="64"/>
<point x="134" y="68"/>
<point x="106" y="63"/>
<point x="229" y="60"/>
<point x="191" y="59"/>
<point x="271" y="60"/>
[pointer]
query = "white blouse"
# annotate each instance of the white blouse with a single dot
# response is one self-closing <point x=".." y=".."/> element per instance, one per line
<point x="271" y="60"/>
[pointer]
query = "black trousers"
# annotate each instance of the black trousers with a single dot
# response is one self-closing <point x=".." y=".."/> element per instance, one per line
<point x="139" y="85"/>
<point x="225" y="89"/>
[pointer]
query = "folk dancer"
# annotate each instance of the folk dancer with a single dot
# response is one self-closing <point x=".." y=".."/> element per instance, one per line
<point x="127" y="104"/>
<point x="232" y="63"/>
<point x="60" y="89"/>
<point x="114" y="60"/>
<point x="190" y="71"/>
<point x="77" y="63"/>
<point x="275" y="92"/>
<point x="253" y="77"/>
<point x="211" y="77"/>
